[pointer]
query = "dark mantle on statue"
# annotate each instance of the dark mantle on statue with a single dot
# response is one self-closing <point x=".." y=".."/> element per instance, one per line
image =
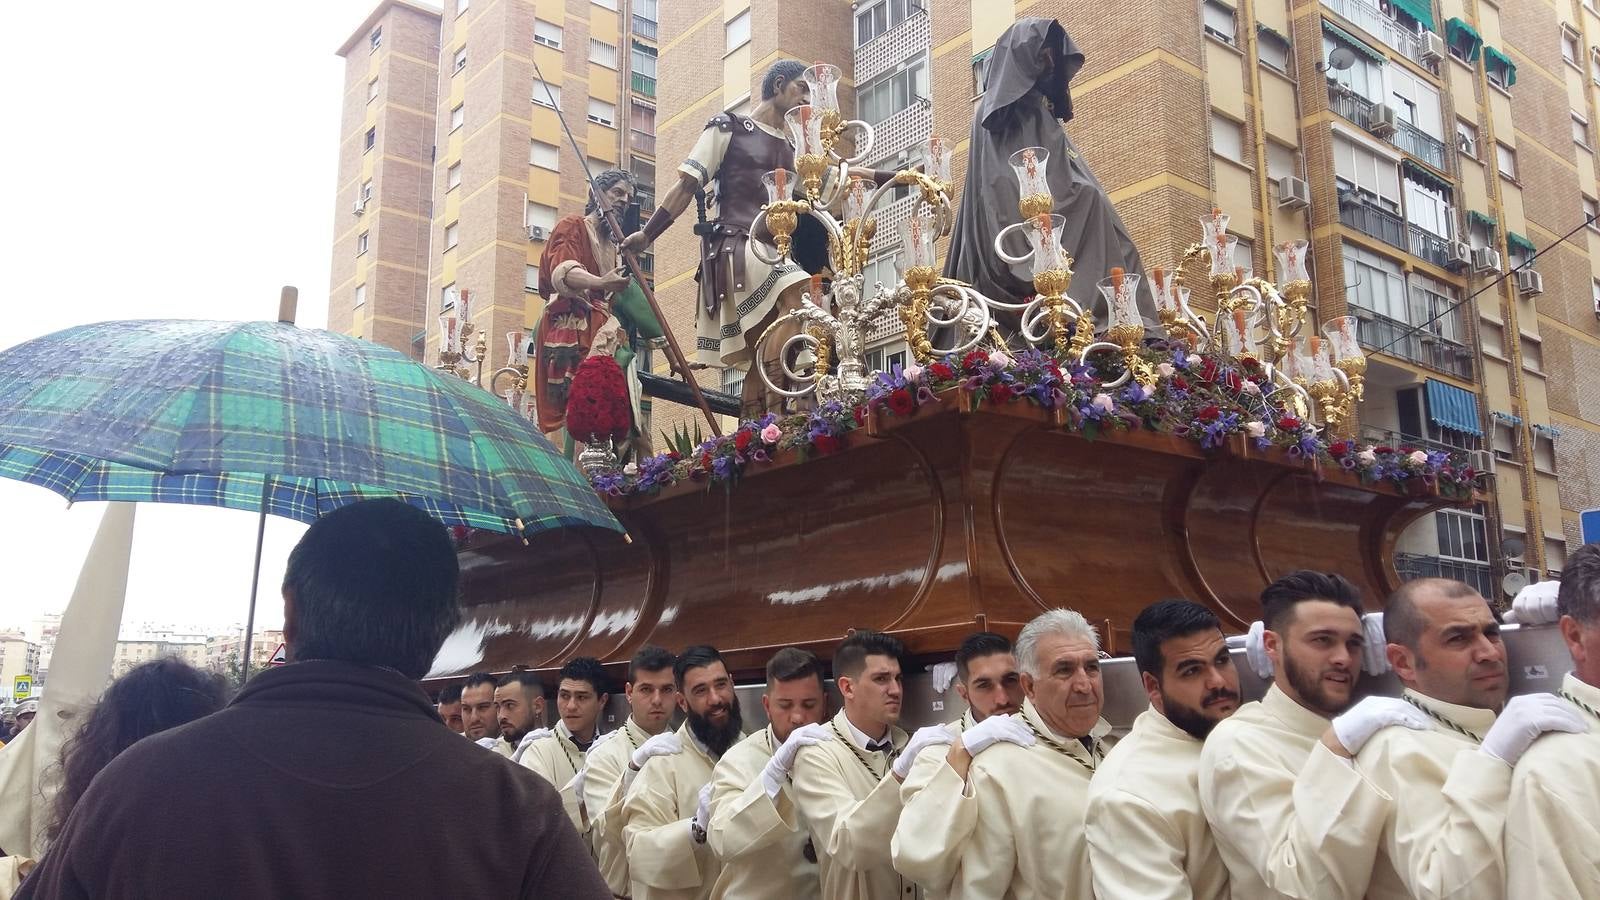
<point x="931" y="527"/>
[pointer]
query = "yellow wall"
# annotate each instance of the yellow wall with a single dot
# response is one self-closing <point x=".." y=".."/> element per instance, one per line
<point x="989" y="19"/>
<point x="1278" y="108"/>
<point x="1233" y="181"/>
<point x="1224" y="81"/>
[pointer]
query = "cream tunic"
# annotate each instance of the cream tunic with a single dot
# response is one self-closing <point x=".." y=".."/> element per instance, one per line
<point x="763" y="853"/>
<point x="850" y="804"/>
<point x="928" y="837"/>
<point x="602" y="803"/>
<point x="664" y="862"/>
<point x="1148" y="837"/>
<point x="1552" y="836"/>
<point x="557" y="759"/>
<point x="1248" y="769"/>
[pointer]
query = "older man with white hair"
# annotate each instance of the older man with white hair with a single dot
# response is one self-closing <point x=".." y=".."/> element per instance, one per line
<point x="1025" y="777"/>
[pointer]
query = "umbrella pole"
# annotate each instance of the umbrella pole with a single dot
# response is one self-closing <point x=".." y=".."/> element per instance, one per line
<point x="255" y="583"/>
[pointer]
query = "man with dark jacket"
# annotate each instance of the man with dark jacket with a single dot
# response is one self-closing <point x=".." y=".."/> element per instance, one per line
<point x="331" y="776"/>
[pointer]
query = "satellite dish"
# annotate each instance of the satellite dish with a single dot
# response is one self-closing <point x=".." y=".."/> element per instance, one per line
<point x="1341" y="58"/>
<point x="1513" y="583"/>
<point x="1513" y="547"/>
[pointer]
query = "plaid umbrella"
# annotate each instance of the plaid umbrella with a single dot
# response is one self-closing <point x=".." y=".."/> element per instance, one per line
<point x="222" y="413"/>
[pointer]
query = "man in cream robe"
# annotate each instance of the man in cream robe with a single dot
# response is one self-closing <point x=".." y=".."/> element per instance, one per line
<point x="988" y="680"/>
<point x="1553" y="823"/>
<point x="668" y="858"/>
<point x="764" y="856"/>
<point x="841" y="787"/>
<point x="554" y="756"/>
<point x="652" y="695"/>
<point x="1148" y="836"/>
<point x="557" y="754"/>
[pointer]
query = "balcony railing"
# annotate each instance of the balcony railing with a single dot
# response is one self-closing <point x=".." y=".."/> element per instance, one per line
<point x="645" y="28"/>
<point x="643" y="142"/>
<point x="1478" y="574"/>
<point x="1383" y="437"/>
<point x="644" y="84"/>
<point x="1429" y="246"/>
<point x="1349" y="104"/>
<point x="1420" y="144"/>
<point x="1374" y="221"/>
<point x="1372" y="20"/>
<point x="1422" y="346"/>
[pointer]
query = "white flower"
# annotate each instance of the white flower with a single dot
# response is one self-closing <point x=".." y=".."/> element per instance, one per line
<point x="1367" y="457"/>
<point x="999" y="359"/>
<point x="1255" y="429"/>
<point x="1104" y="402"/>
<point x="1165" y="370"/>
<point x="1418" y="457"/>
<point x="630" y="469"/>
<point x="1249" y="387"/>
<point x="913" y="373"/>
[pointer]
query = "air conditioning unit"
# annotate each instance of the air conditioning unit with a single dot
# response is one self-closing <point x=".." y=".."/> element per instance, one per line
<point x="1381" y="120"/>
<point x="1529" y="282"/>
<point x="1460" y="255"/>
<point x="360" y="207"/>
<point x="1293" y="193"/>
<point x="1432" y="47"/>
<point x="1485" y="259"/>
<point x="1481" y="461"/>
<point x="535" y="232"/>
<point x="1465" y="145"/>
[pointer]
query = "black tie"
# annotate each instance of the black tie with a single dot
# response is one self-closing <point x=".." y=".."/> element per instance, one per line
<point x="883" y="746"/>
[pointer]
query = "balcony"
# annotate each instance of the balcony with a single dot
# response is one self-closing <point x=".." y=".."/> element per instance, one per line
<point x="645" y="28"/>
<point x="1429" y="246"/>
<point x="1478" y="574"/>
<point x="1370" y="19"/>
<point x="1373" y="221"/>
<point x="1428" y="349"/>
<point x="1383" y="437"/>
<point x="644" y="84"/>
<point x="1420" y="144"/>
<point x="643" y="142"/>
<point x="1349" y="104"/>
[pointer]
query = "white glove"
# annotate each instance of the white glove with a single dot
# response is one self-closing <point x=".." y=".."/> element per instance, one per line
<point x="1375" y="653"/>
<point x="1255" y="651"/>
<point x="942" y="674"/>
<point x="1524" y="719"/>
<point x="702" y="811"/>
<point x="603" y="737"/>
<point x="1536" y="603"/>
<point x="527" y="741"/>
<point x="924" y="737"/>
<point x="776" y="771"/>
<point x="990" y="731"/>
<point x="664" y="744"/>
<point x="1371" y="715"/>
<point x="487" y="743"/>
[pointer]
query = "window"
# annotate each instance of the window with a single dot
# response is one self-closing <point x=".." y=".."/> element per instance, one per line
<point x="881" y="268"/>
<point x="1492" y="335"/>
<point x="1532" y="353"/>
<point x="1555" y="557"/>
<point x="545" y="94"/>
<point x="1591" y="210"/>
<point x="1569" y="46"/>
<point x="375" y="40"/>
<point x="361" y="295"/>
<point x="1480" y="231"/>
<point x="879" y="18"/>
<point x="458" y="116"/>
<point x="736" y="32"/>
<point x="361" y="244"/>
<point x="1218" y="20"/>
<point x="1282" y="161"/>
<point x="1505" y="438"/>
<point x="733" y="380"/>
<point x="447" y="297"/>
<point x="452" y="235"/>
<point x="602" y="113"/>
<point x="1227" y="138"/>
<point x="606" y="4"/>
<point x="1364" y="77"/>
<point x="1501" y="70"/>
<point x="1435" y="303"/>
<point x="530" y="279"/>
<point x="1467" y="137"/>
<point x="644" y="69"/>
<point x="452" y="177"/>
<point x="642" y="118"/>
<point x="1416" y="101"/>
<point x="603" y="53"/>
<point x="1544" y="450"/>
<point x="547" y="34"/>
<point x="1594" y="67"/>
<point x="888" y="94"/>
<point x="461" y="6"/>
<point x="1428" y="207"/>
<point x="543" y="155"/>
<point x="1374" y="282"/>
<point x="371" y="139"/>
<point x="1596" y="294"/>
<point x="541" y="216"/>
<point x="1462" y="535"/>
<point x="372" y="90"/>
<point x="366" y="191"/>
<point x="460" y="61"/>
<point x="1506" y="160"/>
<point x="1580" y="131"/>
<point x="980" y="71"/>
<point x="1272" y="49"/>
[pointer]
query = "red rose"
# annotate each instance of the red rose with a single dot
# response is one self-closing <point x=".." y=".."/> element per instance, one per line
<point x="1288" y="423"/>
<point x="1001" y="393"/>
<point x="901" y="403"/>
<point x="1233" y="381"/>
<point x="973" y="361"/>
<point x="1180" y="383"/>
<point x="1208" y="370"/>
<point x="1407" y="449"/>
<point x="942" y="372"/>
<point x="1209" y="414"/>
<point x="1383" y="450"/>
<point x="705" y="461"/>
<point x="860" y="414"/>
<point x="597" y="403"/>
<point x="1338" y="449"/>
<point x="826" y="444"/>
<point x="741" y="440"/>
<point x="1249" y="363"/>
<point x="674" y="455"/>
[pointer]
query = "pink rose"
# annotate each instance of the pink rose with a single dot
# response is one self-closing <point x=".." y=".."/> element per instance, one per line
<point x="1103" y="402"/>
<point x="1255" y="429"/>
<point x="1418" y="457"/>
<point x="1165" y="370"/>
<point x="771" y="433"/>
<point x="999" y="359"/>
<point x="913" y="373"/>
<point x="1249" y="387"/>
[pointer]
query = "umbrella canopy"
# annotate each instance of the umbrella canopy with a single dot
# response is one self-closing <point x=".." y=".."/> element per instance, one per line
<point x="215" y="413"/>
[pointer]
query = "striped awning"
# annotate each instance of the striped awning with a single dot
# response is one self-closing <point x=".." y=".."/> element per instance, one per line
<point x="1453" y="408"/>
<point x="1478" y="218"/>
<point x="1421" y="10"/>
<point x="1355" y="43"/>
<point x="1459" y="33"/>
<point x="1427" y="178"/>
<point x="1518" y="242"/>
<point x="1507" y="418"/>
<point x="1496" y="59"/>
<point x="1549" y="431"/>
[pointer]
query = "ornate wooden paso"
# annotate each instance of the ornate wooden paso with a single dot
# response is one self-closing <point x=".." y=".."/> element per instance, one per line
<point x="930" y="527"/>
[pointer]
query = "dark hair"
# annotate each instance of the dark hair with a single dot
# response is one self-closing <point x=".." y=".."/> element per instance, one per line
<point x="850" y="660"/>
<point x="1280" y="598"/>
<point x="604" y="181"/>
<point x="649" y="658"/>
<point x="982" y="643"/>
<point x="528" y="678"/>
<point x="695" y="657"/>
<point x="150" y="698"/>
<point x="373" y="583"/>
<point x="586" y="668"/>
<point x="793" y="664"/>
<point x="1580" y="585"/>
<point x="779" y="74"/>
<point x="1402" y="621"/>
<point x="480" y="678"/>
<point x="450" y="693"/>
<point x="1162" y="621"/>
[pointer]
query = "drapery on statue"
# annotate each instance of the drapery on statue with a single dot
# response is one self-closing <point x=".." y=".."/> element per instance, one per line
<point x="1025" y="101"/>
<point x="585" y="289"/>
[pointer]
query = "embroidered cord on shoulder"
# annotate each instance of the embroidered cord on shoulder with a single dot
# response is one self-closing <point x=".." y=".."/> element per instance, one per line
<point x="1580" y="704"/>
<point x="1095" y="755"/>
<point x="854" y="750"/>
<point x="1458" y="729"/>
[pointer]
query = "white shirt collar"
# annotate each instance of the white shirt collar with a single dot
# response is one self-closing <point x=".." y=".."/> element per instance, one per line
<point x="859" y="737"/>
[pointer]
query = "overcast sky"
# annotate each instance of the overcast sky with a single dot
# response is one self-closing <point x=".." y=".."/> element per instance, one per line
<point x="166" y="160"/>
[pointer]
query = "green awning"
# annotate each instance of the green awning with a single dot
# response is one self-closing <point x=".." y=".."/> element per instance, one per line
<point x="1477" y="218"/>
<point x="1268" y="29"/>
<point x="1495" y="59"/>
<point x="1426" y="177"/>
<point x="1518" y="242"/>
<point x="1421" y="10"/>
<point x="1459" y="33"/>
<point x="1354" y="42"/>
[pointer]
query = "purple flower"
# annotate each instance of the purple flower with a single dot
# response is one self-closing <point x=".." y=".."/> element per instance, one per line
<point x="723" y="467"/>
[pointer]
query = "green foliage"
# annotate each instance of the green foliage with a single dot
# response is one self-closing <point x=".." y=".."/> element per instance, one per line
<point x="680" y="441"/>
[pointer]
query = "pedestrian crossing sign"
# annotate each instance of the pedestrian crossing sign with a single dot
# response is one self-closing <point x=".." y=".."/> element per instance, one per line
<point x="22" y="689"/>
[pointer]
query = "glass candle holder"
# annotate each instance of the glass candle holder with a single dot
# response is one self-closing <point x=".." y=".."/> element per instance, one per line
<point x="1044" y="238"/>
<point x="463" y="302"/>
<point x="1292" y="261"/>
<point x="449" y="332"/>
<point x="1214" y="226"/>
<point x="1170" y="297"/>
<point x="780" y="185"/>
<point x="1030" y="165"/>
<point x="804" y="123"/>
<point x="1297" y="364"/>
<point x="855" y="199"/>
<point x="1342" y="338"/>
<point x="917" y="236"/>
<point x="1237" y="337"/>
<point x="823" y="82"/>
<point x="1222" y="252"/>
<point x="936" y="159"/>
<point x="1121" y="290"/>
<point x="517" y="345"/>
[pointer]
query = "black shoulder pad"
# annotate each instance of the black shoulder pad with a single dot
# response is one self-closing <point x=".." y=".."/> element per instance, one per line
<point x="721" y="122"/>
